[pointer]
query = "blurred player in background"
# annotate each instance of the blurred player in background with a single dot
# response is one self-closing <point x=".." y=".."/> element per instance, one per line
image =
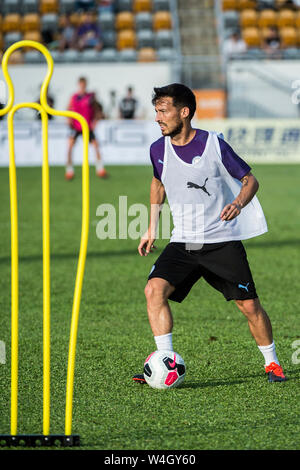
<point x="84" y="103"/>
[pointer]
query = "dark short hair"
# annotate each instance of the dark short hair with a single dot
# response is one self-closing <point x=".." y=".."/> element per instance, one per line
<point x="181" y="94"/>
<point x="82" y="79"/>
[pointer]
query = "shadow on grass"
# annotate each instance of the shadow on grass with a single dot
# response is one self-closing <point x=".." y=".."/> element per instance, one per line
<point x="292" y="375"/>
<point x="74" y="255"/>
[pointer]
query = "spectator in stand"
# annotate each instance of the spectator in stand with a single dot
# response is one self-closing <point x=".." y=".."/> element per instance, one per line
<point x="89" y="34"/>
<point x="271" y="43"/>
<point x="234" y="45"/>
<point x="85" y="5"/>
<point x="67" y="36"/>
<point x="128" y="105"/>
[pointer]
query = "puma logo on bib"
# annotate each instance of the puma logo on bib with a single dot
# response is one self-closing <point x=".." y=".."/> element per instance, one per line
<point x="194" y="185"/>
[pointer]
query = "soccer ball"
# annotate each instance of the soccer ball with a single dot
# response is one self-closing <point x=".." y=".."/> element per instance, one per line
<point x="164" y="369"/>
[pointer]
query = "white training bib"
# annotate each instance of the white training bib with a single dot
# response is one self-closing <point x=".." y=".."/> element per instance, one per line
<point x="197" y="194"/>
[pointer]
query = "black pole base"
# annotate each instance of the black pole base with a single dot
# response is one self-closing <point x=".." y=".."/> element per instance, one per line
<point x="39" y="440"/>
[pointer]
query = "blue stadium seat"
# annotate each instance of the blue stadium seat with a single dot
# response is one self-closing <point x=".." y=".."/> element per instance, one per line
<point x="106" y="21"/>
<point x="164" y="38"/>
<point x="70" y="55"/>
<point x="145" y="38"/>
<point x="127" y="55"/>
<point x="11" y="38"/>
<point x="90" y="55"/>
<point x="11" y="6"/>
<point x="108" y="55"/>
<point x="161" y="5"/>
<point x="109" y="39"/>
<point x="291" y="53"/>
<point x="165" y="54"/>
<point x="143" y="20"/>
<point x="66" y="6"/>
<point x="49" y="22"/>
<point x="57" y="56"/>
<point x="30" y="6"/>
<point x="123" y="5"/>
<point x="231" y="19"/>
<point x="33" y="57"/>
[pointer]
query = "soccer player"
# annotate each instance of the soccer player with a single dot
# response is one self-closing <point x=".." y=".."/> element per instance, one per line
<point x="85" y="104"/>
<point x="211" y="194"/>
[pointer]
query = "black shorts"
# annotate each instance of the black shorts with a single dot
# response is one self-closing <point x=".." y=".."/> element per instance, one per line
<point x="223" y="265"/>
<point x="74" y="133"/>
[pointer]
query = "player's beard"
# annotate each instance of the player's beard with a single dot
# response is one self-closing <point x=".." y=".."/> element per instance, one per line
<point x="175" y="131"/>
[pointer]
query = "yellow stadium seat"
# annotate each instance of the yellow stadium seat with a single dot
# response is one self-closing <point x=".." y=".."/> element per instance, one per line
<point x="142" y="5"/>
<point x="33" y="36"/>
<point x="267" y="18"/>
<point x="288" y="37"/>
<point x="246" y="4"/>
<point x="286" y="18"/>
<point x="297" y="19"/>
<point x="264" y="33"/>
<point x="147" y="54"/>
<point x="11" y="22"/>
<point x="229" y="5"/>
<point x="126" y="39"/>
<point x="16" y="57"/>
<point x="248" y="18"/>
<point x="124" y="20"/>
<point x="31" y="22"/>
<point x="162" y="20"/>
<point x="48" y="6"/>
<point x="251" y="37"/>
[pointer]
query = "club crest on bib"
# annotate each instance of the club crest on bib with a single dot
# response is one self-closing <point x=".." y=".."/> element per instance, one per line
<point x="196" y="160"/>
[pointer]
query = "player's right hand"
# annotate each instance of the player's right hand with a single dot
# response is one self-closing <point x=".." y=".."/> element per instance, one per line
<point x="146" y="245"/>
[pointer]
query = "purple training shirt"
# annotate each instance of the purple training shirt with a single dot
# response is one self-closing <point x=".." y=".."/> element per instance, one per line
<point x="235" y="166"/>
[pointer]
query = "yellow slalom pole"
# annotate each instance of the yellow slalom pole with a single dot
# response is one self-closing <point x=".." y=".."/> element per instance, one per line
<point x="79" y="280"/>
<point x="14" y="280"/>
<point x="45" y="108"/>
<point x="46" y="270"/>
<point x="46" y="275"/>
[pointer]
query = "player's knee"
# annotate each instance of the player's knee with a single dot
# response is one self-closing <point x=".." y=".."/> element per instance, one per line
<point x="156" y="289"/>
<point x="251" y="308"/>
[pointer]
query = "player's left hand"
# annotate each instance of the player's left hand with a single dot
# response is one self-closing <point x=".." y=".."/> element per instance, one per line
<point x="230" y="211"/>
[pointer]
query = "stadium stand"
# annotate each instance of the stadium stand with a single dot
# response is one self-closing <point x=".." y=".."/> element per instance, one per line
<point x="129" y="29"/>
<point x="264" y="26"/>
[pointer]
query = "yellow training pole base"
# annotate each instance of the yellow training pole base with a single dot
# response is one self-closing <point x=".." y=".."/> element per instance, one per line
<point x="39" y="440"/>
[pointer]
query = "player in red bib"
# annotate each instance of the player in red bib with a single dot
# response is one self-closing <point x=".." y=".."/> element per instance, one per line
<point x="83" y="103"/>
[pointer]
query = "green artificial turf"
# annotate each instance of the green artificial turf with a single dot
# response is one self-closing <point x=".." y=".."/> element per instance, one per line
<point x="225" y="401"/>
